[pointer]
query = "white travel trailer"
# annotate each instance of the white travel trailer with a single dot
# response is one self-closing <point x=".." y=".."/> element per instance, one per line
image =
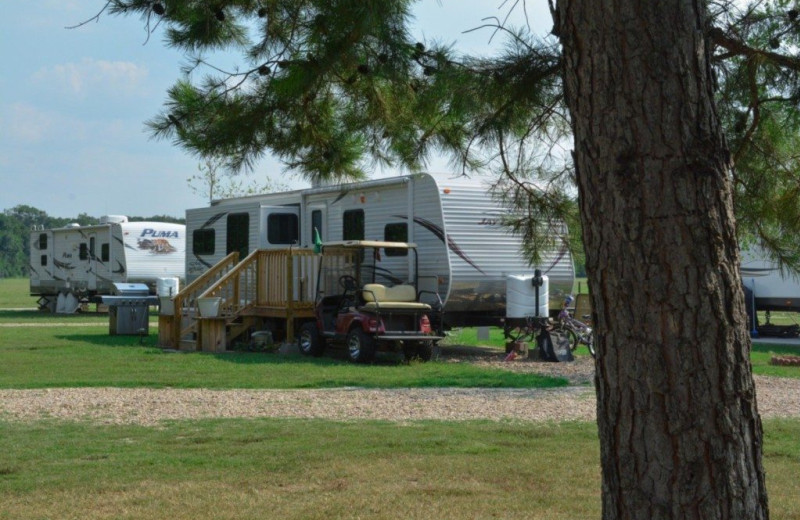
<point x="72" y="264"/>
<point x="465" y="254"/>
<point x="772" y="288"/>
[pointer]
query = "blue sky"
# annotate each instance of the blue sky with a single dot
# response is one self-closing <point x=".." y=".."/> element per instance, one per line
<point x="73" y="103"/>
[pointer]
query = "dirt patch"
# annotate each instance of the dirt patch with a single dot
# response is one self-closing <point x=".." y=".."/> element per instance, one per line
<point x="578" y="372"/>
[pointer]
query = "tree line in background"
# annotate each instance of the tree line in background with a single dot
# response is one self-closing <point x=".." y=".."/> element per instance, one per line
<point x="15" y="227"/>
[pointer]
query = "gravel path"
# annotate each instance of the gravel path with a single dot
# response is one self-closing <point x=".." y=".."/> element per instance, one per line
<point x="777" y="397"/>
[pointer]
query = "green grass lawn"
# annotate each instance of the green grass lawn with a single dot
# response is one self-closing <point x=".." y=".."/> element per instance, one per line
<point x="314" y="469"/>
<point x="79" y="352"/>
<point x="291" y="468"/>
<point x="15" y="294"/>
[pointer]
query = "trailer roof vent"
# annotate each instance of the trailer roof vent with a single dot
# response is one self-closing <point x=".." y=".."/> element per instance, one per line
<point x="73" y="225"/>
<point x="113" y="219"/>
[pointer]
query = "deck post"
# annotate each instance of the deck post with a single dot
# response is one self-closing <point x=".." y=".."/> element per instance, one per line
<point x="261" y="279"/>
<point x="178" y="321"/>
<point x="212" y="334"/>
<point x="289" y="297"/>
<point x="165" y="331"/>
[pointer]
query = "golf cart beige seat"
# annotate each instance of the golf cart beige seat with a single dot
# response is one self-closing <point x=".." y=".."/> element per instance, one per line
<point x="379" y="297"/>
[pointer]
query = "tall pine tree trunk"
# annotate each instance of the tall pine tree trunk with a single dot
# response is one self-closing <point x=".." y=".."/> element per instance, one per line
<point x="679" y="430"/>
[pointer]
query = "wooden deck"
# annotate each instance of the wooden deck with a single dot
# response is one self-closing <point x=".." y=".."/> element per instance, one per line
<point x="268" y="289"/>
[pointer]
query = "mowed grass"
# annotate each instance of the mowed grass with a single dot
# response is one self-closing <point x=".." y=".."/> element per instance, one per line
<point x="78" y="351"/>
<point x="291" y="468"/>
<point x="762" y="353"/>
<point x="313" y="469"/>
<point x="15" y="294"/>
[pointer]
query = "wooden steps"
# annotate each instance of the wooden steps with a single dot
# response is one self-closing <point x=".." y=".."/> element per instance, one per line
<point x="268" y="290"/>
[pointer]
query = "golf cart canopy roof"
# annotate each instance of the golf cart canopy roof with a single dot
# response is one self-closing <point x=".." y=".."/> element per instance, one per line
<point x="361" y="244"/>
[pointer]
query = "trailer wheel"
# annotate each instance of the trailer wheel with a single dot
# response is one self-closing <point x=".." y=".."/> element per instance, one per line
<point x="309" y="341"/>
<point x="360" y="346"/>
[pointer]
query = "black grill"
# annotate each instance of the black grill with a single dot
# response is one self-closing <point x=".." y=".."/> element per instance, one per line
<point x="128" y="309"/>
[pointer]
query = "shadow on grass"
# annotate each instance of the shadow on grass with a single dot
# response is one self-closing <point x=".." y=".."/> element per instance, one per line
<point x="332" y="357"/>
<point x="8" y="314"/>
<point x="105" y="339"/>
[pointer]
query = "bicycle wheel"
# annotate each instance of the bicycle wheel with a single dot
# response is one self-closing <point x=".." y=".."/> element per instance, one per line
<point x="567" y="331"/>
<point x="589" y="342"/>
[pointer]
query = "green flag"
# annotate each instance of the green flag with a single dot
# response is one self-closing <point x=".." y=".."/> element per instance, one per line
<point x="317" y="241"/>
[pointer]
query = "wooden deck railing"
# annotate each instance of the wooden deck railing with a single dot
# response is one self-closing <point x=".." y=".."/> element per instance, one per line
<point x="267" y="282"/>
<point x="185" y="302"/>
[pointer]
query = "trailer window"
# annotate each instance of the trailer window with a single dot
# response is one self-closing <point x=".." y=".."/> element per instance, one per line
<point x="282" y="228"/>
<point x="43" y="260"/>
<point x="203" y="241"/>
<point x="396" y="233"/>
<point x="84" y="251"/>
<point x="43" y="241"/>
<point x="238" y="234"/>
<point x="92" y="250"/>
<point x="105" y="253"/>
<point x="353" y="224"/>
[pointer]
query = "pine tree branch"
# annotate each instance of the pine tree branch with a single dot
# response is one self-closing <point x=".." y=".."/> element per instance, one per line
<point x="738" y="48"/>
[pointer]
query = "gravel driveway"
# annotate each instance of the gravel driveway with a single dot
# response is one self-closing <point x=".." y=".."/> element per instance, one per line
<point x="777" y="397"/>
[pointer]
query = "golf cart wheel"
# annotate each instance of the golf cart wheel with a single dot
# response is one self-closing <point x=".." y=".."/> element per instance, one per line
<point x="360" y="346"/>
<point x="419" y="350"/>
<point x="308" y="341"/>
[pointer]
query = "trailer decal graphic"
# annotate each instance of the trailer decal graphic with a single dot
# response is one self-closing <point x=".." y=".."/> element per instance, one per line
<point x="158" y="246"/>
<point x="124" y="244"/>
<point x="212" y="220"/>
<point x="63" y="265"/>
<point x="208" y="223"/>
<point x="342" y="195"/>
<point x="561" y="253"/>
<point x="103" y="278"/>
<point x="120" y="269"/>
<point x="383" y="272"/>
<point x="439" y="232"/>
<point x="154" y="233"/>
<point x="202" y="262"/>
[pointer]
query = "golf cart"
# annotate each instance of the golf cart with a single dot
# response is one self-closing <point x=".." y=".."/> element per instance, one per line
<point x="366" y="303"/>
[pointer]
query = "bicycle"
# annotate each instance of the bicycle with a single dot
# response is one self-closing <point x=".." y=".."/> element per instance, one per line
<point x="578" y="332"/>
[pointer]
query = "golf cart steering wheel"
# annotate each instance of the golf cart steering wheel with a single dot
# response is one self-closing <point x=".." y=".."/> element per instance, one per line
<point x="348" y="283"/>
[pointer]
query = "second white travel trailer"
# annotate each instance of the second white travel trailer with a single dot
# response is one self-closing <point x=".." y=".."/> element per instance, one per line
<point x="772" y="288"/>
<point x="465" y="252"/>
<point x="72" y="264"/>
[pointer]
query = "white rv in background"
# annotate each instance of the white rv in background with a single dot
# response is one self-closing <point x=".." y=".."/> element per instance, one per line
<point x="772" y="288"/>
<point x="465" y="254"/>
<point x="72" y="264"/>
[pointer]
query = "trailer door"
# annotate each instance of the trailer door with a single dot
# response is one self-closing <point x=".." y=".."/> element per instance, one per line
<point x="317" y="219"/>
<point x="238" y="234"/>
